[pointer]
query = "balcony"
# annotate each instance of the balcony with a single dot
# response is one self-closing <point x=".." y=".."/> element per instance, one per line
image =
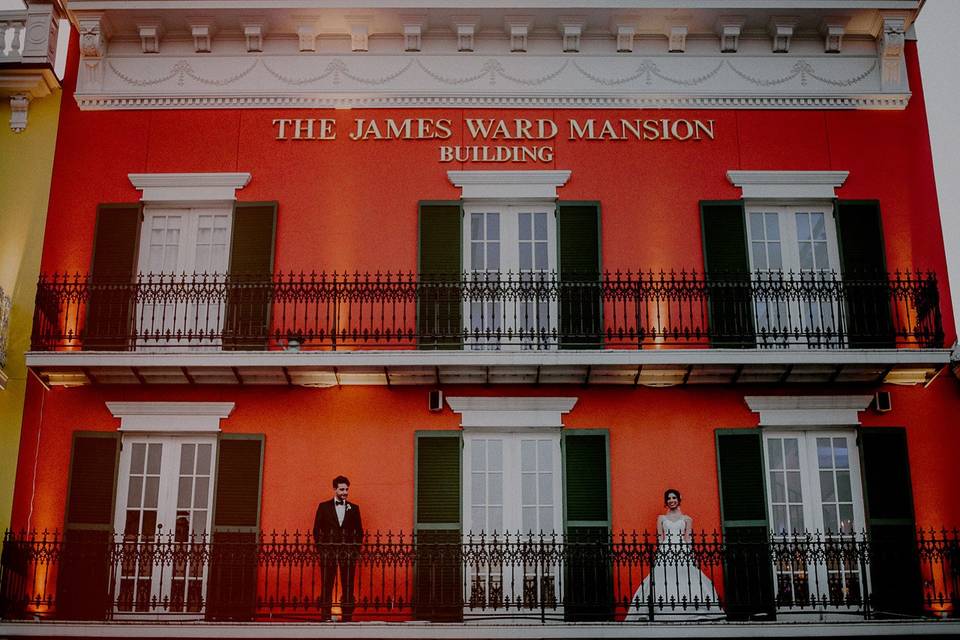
<point x="445" y="577"/>
<point x="656" y="329"/>
<point x="28" y="47"/>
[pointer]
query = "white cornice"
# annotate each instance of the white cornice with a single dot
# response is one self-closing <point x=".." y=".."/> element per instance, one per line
<point x="511" y="413"/>
<point x="170" y="416"/>
<point x="775" y="185"/>
<point x="537" y="185"/>
<point x="189" y="187"/>
<point x="807" y="411"/>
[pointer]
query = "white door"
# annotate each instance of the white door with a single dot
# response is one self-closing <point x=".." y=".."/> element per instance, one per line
<point x="509" y="258"/>
<point x="184" y="257"/>
<point x="512" y="488"/>
<point x="794" y="258"/>
<point x="815" y="500"/>
<point x="164" y="501"/>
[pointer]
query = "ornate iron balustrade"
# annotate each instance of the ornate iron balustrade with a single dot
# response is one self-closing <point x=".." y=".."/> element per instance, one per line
<point x="452" y="577"/>
<point x="488" y="311"/>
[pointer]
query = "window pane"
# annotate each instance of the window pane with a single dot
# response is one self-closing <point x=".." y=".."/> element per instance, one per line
<point x="806" y="256"/>
<point x="149" y="523"/>
<point x="478" y="459"/>
<point x="778" y="489"/>
<point x="545" y="455"/>
<point x="827" y="491"/>
<point x="478" y="519"/>
<point x="756" y="226"/>
<point x="493" y="256"/>
<point x="546" y="518"/>
<point x="476" y="256"/>
<point x="830" y="519"/>
<point x="540" y="226"/>
<point x="803" y="227"/>
<point x="186" y="459"/>
<point x="846" y="518"/>
<point x="525" y="226"/>
<point x="528" y="455"/>
<point x="794" y="493"/>
<point x="819" y="228"/>
<point x="776" y="260"/>
<point x="759" y="256"/>
<point x="204" y="456"/>
<point x="151" y="492"/>
<point x="476" y="226"/>
<point x="478" y="488"/>
<point x="199" y="522"/>
<point x="824" y="453"/>
<point x="792" y="451"/>
<point x="528" y="494"/>
<point x="820" y="255"/>
<point x="495" y="453"/>
<point x="184" y="493"/>
<point x="773" y="227"/>
<point x="844" y="493"/>
<point x="495" y="515"/>
<point x="775" y="453"/>
<point x="137" y="457"/>
<point x="495" y="488"/>
<point x="546" y="488"/>
<point x="201" y="493"/>
<point x="493" y="226"/>
<point x="153" y="458"/>
<point x="529" y="520"/>
<point x="526" y="256"/>
<point x="541" y="256"/>
<point x="796" y="518"/>
<point x="134" y="491"/>
<point x="840" y="453"/>
<point x="780" y="518"/>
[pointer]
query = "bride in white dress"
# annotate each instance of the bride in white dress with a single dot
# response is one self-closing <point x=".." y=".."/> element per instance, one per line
<point x="679" y="589"/>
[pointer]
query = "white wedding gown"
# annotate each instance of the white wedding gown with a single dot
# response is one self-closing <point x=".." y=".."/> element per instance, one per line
<point x="680" y="590"/>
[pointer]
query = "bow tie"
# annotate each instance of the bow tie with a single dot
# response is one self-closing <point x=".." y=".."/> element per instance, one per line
<point x="339" y="503"/>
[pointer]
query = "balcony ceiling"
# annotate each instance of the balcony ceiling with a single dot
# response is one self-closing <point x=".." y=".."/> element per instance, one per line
<point x="649" y="367"/>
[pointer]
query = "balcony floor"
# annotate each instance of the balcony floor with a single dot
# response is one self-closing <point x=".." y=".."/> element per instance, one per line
<point x="504" y="630"/>
<point x="648" y="367"/>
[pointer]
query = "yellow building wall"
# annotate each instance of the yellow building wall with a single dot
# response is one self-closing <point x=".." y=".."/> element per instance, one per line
<point x="26" y="164"/>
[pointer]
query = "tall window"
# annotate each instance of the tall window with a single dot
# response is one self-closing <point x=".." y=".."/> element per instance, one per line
<point x="814" y="493"/>
<point x="164" y="498"/>
<point x="182" y="248"/>
<point x="509" y="257"/>
<point x="789" y="247"/>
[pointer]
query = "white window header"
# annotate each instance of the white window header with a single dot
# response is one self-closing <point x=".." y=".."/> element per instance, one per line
<point x="511" y="413"/>
<point x="509" y="185"/>
<point x="189" y="187"/>
<point x="808" y="411"/>
<point x="784" y="185"/>
<point x="170" y="417"/>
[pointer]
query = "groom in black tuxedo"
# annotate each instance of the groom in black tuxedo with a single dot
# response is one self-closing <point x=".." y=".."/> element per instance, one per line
<point x="338" y="533"/>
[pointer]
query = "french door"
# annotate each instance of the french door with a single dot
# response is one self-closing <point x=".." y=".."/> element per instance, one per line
<point x="164" y="501"/>
<point x="184" y="255"/>
<point x="816" y="512"/>
<point x="794" y="258"/>
<point x="512" y="488"/>
<point x="509" y="260"/>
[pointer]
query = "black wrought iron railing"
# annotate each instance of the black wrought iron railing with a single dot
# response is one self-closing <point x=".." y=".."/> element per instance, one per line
<point x="489" y="311"/>
<point x="452" y="577"/>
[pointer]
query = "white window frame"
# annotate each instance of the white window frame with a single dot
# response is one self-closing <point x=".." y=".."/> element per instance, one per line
<point x="511" y="420"/>
<point x="170" y="424"/>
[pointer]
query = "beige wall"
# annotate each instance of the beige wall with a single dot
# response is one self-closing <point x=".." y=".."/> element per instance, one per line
<point x="26" y="163"/>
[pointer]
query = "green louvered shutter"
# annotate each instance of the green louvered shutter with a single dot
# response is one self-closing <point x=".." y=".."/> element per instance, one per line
<point x="869" y="322"/>
<point x="578" y="256"/>
<point x="438" y="574"/>
<point x="895" y="580"/>
<point x="588" y="573"/>
<point x="439" y="304"/>
<point x="85" y="567"/>
<point x="727" y="274"/>
<point x="246" y="324"/>
<point x="748" y="572"/>
<point x="113" y="272"/>
<point x="232" y="582"/>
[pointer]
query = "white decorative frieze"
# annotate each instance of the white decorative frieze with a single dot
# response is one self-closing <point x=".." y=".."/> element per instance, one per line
<point x="729" y="28"/>
<point x="550" y="81"/>
<point x="781" y="32"/>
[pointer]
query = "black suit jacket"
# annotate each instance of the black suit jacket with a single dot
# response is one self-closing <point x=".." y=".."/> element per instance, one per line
<point x="327" y="528"/>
